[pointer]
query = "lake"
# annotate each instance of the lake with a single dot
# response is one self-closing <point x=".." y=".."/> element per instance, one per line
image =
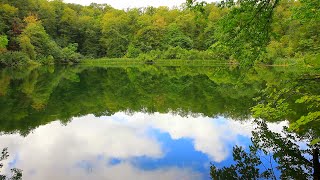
<point x="140" y="122"/>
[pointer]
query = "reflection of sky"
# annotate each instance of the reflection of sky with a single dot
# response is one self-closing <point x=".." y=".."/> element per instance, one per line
<point x="137" y="146"/>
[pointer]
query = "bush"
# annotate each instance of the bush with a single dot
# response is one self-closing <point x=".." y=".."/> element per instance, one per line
<point x="13" y="58"/>
<point x="151" y="55"/>
<point x="69" y="54"/>
<point x="174" y="53"/>
<point x="132" y="52"/>
<point x="192" y="54"/>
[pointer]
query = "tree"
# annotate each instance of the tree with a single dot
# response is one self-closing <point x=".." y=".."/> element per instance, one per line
<point x="116" y="33"/>
<point x="68" y="30"/>
<point x="90" y="33"/>
<point x="69" y="54"/>
<point x="245" y="30"/>
<point x="7" y="14"/>
<point x="307" y="14"/>
<point x="115" y="43"/>
<point x="174" y="37"/>
<point x="36" y="42"/>
<point x="149" y="38"/>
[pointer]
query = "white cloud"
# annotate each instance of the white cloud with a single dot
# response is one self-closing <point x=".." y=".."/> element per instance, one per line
<point x="123" y="4"/>
<point x="53" y="151"/>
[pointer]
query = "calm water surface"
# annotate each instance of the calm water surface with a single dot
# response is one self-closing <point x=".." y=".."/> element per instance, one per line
<point x="143" y="122"/>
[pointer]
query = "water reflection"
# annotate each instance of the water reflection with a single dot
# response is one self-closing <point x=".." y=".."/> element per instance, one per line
<point x="122" y="146"/>
<point x="143" y="122"/>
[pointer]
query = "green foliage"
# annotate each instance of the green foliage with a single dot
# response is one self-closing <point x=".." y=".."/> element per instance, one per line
<point x="3" y="41"/>
<point x="276" y="108"/>
<point x="304" y="120"/>
<point x="305" y="123"/>
<point x="35" y="42"/>
<point x="296" y="101"/>
<point x="13" y="58"/>
<point x="114" y="43"/>
<point x="247" y="32"/>
<point x="149" y="38"/>
<point x="115" y="33"/>
<point x="285" y="151"/>
<point x="174" y="53"/>
<point x="69" y="54"/>
<point x="7" y="14"/>
<point x="47" y="60"/>
<point x="27" y="47"/>
<point x="295" y="32"/>
<point x="31" y="97"/>
<point x="315" y="141"/>
<point x="175" y="37"/>
<point x="133" y="52"/>
<point x="178" y="53"/>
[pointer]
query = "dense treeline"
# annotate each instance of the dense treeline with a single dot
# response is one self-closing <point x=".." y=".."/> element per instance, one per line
<point x="53" y="31"/>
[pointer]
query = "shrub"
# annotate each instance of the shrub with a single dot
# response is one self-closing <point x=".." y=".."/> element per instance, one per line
<point x="150" y="56"/>
<point x="174" y="53"/>
<point x="69" y="54"/>
<point x="132" y="51"/>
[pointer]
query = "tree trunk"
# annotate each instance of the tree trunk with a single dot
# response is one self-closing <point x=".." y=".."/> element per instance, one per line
<point x="316" y="165"/>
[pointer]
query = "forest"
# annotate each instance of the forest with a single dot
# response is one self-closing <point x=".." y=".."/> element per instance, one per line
<point x="244" y="32"/>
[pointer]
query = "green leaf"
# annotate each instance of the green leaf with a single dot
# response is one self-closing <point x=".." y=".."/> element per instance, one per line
<point x="315" y="141"/>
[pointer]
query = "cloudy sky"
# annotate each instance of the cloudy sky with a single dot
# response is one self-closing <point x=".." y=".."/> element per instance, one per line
<point x="123" y="4"/>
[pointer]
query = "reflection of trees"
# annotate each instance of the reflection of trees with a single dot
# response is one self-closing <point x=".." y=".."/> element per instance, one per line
<point x="16" y="173"/>
<point x="62" y="93"/>
<point x="271" y="152"/>
<point x="296" y="100"/>
<point x="38" y="96"/>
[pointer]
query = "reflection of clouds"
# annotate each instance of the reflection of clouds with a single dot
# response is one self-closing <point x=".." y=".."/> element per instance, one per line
<point x="127" y="171"/>
<point x="54" y="151"/>
<point x="55" y="148"/>
<point x="210" y="136"/>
